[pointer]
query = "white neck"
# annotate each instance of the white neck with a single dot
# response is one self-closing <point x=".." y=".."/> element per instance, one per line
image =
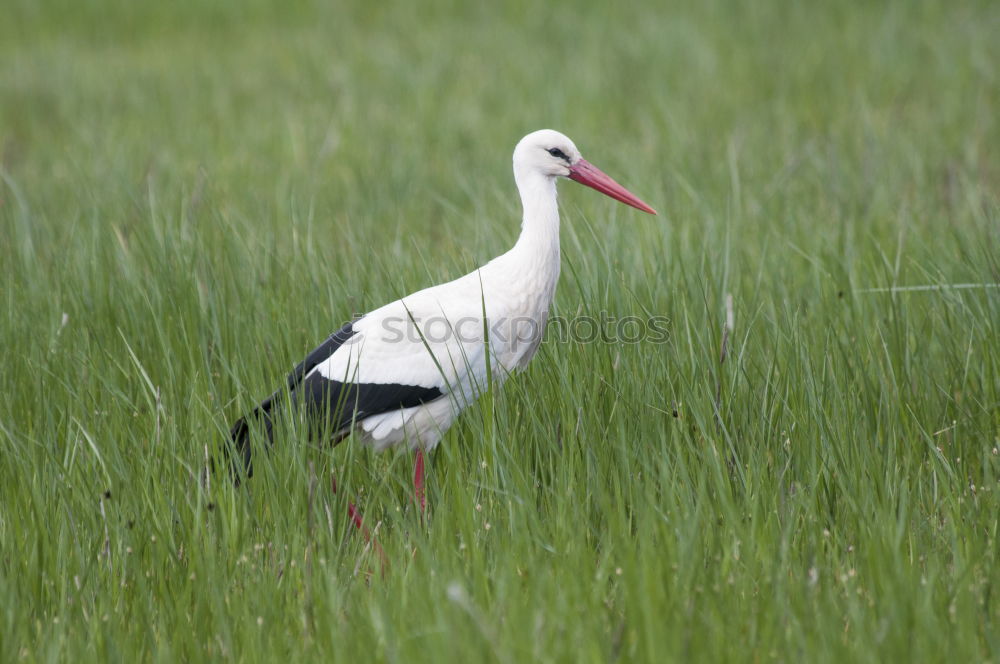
<point x="538" y="244"/>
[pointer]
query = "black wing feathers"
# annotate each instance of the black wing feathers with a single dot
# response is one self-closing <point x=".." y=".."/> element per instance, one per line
<point x="239" y="435"/>
<point x="336" y="404"/>
<point x="330" y="404"/>
<point x="320" y="353"/>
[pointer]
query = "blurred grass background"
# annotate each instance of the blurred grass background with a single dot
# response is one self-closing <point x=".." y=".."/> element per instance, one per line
<point x="193" y="194"/>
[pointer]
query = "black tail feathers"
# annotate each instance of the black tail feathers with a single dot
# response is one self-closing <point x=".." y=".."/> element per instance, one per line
<point x="239" y="452"/>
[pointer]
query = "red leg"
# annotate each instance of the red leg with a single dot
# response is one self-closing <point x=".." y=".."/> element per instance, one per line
<point x="355" y="515"/>
<point x="418" y="480"/>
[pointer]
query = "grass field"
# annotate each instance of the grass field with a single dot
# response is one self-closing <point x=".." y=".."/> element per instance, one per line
<point x="194" y="194"/>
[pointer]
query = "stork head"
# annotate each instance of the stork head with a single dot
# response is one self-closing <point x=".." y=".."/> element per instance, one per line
<point x="551" y="154"/>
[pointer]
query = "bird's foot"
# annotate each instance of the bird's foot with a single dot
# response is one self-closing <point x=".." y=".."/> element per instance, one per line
<point x="359" y="524"/>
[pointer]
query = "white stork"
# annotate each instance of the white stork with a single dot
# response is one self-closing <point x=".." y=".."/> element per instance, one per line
<point x="403" y="372"/>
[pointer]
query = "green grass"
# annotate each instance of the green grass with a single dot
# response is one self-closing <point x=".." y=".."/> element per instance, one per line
<point x="192" y="195"/>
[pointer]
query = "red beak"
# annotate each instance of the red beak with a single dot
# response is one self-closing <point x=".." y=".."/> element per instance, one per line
<point x="586" y="173"/>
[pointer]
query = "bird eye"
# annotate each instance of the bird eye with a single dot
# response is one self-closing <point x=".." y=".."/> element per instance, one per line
<point x="558" y="154"/>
